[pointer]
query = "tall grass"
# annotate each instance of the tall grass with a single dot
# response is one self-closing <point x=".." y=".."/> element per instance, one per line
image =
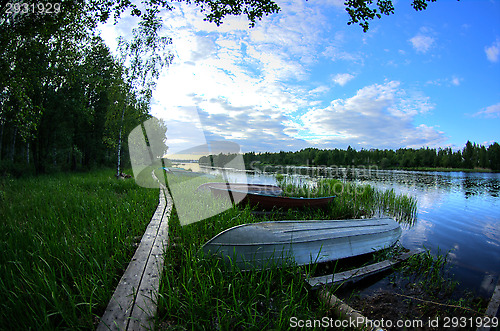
<point x="199" y="292"/>
<point x="66" y="240"/>
<point x="203" y="293"/>
<point x="355" y="200"/>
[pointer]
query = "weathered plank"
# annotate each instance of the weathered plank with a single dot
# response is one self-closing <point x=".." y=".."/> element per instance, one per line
<point x="492" y="309"/>
<point x="145" y="305"/>
<point x="137" y="287"/>
<point x="355" y="275"/>
<point x="346" y="312"/>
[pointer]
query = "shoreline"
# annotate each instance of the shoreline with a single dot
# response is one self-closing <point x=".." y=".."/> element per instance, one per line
<point x="373" y="167"/>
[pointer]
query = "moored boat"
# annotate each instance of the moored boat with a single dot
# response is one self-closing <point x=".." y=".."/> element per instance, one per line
<point x="186" y="173"/>
<point x="252" y="188"/>
<point x="270" y="201"/>
<point x="260" y="245"/>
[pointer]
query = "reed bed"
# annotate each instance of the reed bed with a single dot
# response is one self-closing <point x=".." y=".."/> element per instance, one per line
<point x="66" y="240"/>
<point x="355" y="200"/>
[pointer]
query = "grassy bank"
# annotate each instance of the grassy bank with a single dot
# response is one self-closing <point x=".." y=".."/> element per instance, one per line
<point x="201" y="292"/>
<point x="66" y="240"/>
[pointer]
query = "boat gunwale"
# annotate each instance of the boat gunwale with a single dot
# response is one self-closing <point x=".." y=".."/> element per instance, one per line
<point x="214" y="185"/>
<point x="210" y="242"/>
<point x="331" y="197"/>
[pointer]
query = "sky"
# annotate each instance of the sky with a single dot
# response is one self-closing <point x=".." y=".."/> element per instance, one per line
<point x="304" y="78"/>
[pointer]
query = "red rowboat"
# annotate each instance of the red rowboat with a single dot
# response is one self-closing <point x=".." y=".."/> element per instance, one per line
<point x="268" y="201"/>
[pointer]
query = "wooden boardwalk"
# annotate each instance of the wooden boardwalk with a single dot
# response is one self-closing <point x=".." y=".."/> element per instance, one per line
<point x="492" y="309"/>
<point x="133" y="305"/>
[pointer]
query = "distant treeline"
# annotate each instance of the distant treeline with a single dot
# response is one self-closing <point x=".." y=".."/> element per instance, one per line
<point x="470" y="157"/>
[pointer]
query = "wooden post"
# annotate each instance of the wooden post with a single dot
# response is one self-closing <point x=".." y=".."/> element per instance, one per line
<point x="344" y="311"/>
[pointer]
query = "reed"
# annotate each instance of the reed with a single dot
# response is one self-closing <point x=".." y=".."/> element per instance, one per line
<point x="66" y="239"/>
<point x="430" y="273"/>
<point x="353" y="200"/>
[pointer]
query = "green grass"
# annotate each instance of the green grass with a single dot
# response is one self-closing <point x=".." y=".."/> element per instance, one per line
<point x="66" y="240"/>
<point x="200" y="292"/>
<point x="355" y="200"/>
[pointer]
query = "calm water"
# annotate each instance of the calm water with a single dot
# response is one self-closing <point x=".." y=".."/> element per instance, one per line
<point x="457" y="212"/>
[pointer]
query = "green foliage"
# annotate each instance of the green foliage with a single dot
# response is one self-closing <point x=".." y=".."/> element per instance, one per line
<point x="64" y="116"/>
<point x="363" y="11"/>
<point x="360" y="11"/>
<point x="200" y="292"/>
<point x="428" y="273"/>
<point x="65" y="241"/>
<point x="494" y="156"/>
<point x="65" y="102"/>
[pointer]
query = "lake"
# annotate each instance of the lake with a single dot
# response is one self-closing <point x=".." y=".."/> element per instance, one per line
<point x="458" y="213"/>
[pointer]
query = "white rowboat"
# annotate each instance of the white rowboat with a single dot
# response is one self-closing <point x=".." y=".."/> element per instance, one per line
<point x="260" y="245"/>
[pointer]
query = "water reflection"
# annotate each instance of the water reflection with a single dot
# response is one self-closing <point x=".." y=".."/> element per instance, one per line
<point x="457" y="212"/>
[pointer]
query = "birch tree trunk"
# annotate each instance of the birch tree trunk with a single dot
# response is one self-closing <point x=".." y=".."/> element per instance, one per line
<point x="1" y="139"/>
<point x="118" y="164"/>
<point x="13" y="147"/>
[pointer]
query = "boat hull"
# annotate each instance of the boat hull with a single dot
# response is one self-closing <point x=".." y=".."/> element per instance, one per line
<point x="252" y="188"/>
<point x="261" y="245"/>
<point x="268" y="201"/>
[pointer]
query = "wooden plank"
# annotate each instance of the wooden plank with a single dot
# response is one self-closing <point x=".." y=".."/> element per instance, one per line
<point x="492" y="309"/>
<point x="144" y="266"/>
<point x="346" y="312"/>
<point x="144" y="310"/>
<point x="357" y="274"/>
<point x="494" y="302"/>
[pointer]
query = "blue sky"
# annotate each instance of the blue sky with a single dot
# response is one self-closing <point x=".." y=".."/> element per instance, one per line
<point x="304" y="78"/>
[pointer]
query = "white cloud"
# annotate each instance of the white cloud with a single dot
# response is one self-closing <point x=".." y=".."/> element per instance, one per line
<point x="319" y="90"/>
<point x="492" y="111"/>
<point x="254" y="130"/>
<point x="456" y="80"/>
<point x="251" y="86"/>
<point x="342" y="79"/>
<point x="379" y="116"/>
<point x="451" y="81"/>
<point x="422" y="43"/>
<point x="335" y="3"/>
<point x="493" y="52"/>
